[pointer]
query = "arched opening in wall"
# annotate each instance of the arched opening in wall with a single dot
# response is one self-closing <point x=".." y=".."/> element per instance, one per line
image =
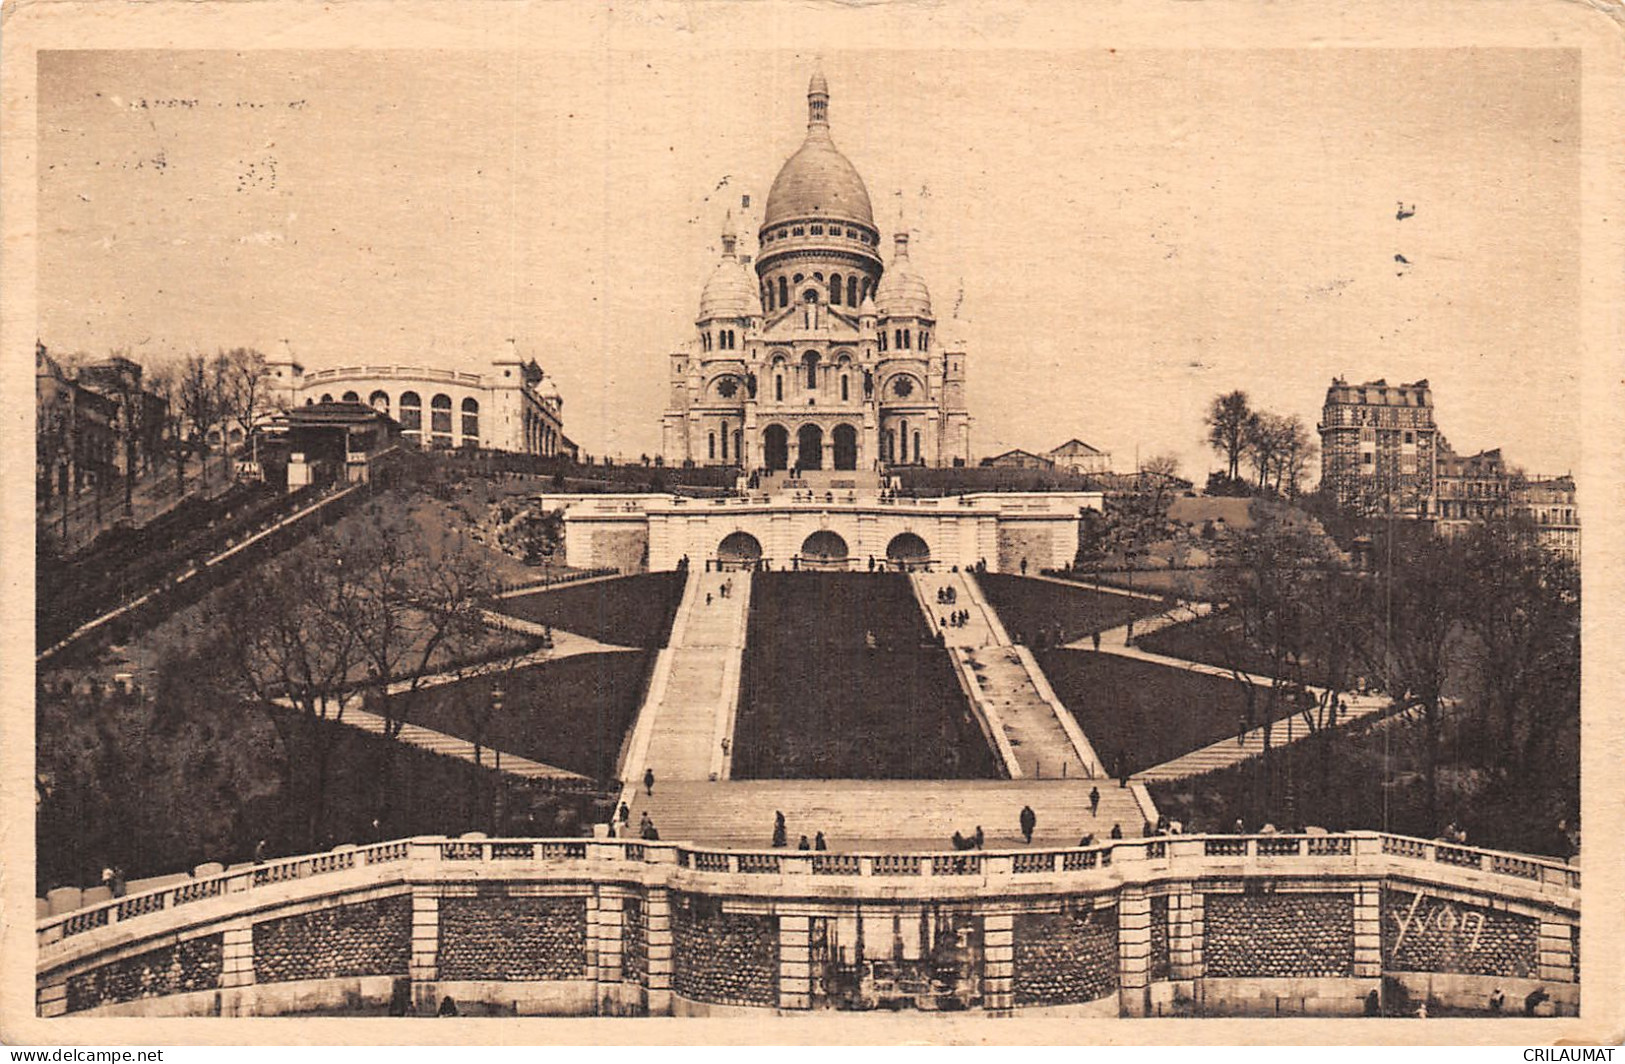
<point x="846" y="392"/>
<point x="784" y="292"/>
<point x="810" y="362"/>
<point x="724" y="442"/>
<point x="902" y="435"/>
<point x="776" y="447"/>
<point x="739" y="448"/>
<point x="379" y="401"/>
<point x="471" y="422"/>
<point x="919" y="458"/>
<point x="810" y="447"/>
<point x="890" y="446"/>
<point x="908" y="551"/>
<point x="810" y="296"/>
<point x="711" y="446"/>
<point x="351" y="397"/>
<point x="835" y="289"/>
<point x="852" y="291"/>
<point x="739" y="550"/>
<point x="411" y="415"/>
<point x="823" y="550"/>
<point x="327" y="397"/>
<point x="845" y="440"/>
<point x="440" y="419"/>
<point x="778" y="388"/>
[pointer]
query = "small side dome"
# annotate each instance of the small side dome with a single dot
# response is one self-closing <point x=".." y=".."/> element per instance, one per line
<point x="902" y="293"/>
<point x="731" y="291"/>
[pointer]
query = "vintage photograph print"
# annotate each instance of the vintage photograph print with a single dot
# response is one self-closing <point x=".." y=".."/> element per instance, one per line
<point x="1052" y="532"/>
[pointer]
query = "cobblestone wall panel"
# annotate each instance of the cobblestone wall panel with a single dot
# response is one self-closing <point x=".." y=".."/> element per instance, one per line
<point x="514" y="939"/>
<point x="367" y="938"/>
<point x="634" y="943"/>
<point x="1066" y="957"/>
<point x="1159" y="939"/>
<point x="1279" y="935"/>
<point x="724" y="958"/>
<point x="1425" y="933"/>
<point x="186" y="966"/>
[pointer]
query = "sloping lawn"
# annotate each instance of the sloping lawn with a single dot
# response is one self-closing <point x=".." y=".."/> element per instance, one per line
<point x="573" y="713"/>
<point x="816" y="702"/>
<point x="1207" y="640"/>
<point x="1141" y="713"/>
<point x="1028" y="607"/>
<point x="632" y="611"/>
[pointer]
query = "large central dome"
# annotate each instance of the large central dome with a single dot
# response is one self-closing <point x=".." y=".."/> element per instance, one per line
<point x="818" y="181"/>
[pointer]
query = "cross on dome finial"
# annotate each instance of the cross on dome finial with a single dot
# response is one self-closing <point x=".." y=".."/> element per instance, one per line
<point x="729" y="238"/>
<point x="817" y="98"/>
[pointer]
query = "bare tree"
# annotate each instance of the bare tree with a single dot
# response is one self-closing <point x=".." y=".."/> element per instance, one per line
<point x="1226" y="424"/>
<point x="166" y="380"/>
<point x="243" y="375"/>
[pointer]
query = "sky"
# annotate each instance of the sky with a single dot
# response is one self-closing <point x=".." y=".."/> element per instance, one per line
<point x="1116" y="236"/>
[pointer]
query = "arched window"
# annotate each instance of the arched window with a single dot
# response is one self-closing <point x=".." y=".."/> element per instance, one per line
<point x="784" y="292"/>
<point x="739" y="447"/>
<point x="897" y="339"/>
<point x="917" y="447"/>
<point x="379" y="401"/>
<point x="351" y="397"/>
<point x="440" y="415"/>
<point x="903" y="432"/>
<point x="411" y="413"/>
<point x="778" y="387"/>
<point x="852" y="291"/>
<point x="810" y="360"/>
<point x="845" y="395"/>
<point x="925" y="340"/>
<point x="471" y="421"/>
<point x="835" y="289"/>
<point x="883" y="339"/>
<point x="711" y="450"/>
<point x="724" y="441"/>
<point x="810" y="296"/>
<point x="327" y="397"/>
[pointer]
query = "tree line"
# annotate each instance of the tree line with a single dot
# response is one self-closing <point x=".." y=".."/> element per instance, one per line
<point x="1273" y="450"/>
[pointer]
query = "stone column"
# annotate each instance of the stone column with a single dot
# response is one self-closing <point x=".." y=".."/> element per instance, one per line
<point x="1184" y="935"/>
<point x="424" y="967"/>
<point x="1368" y="930"/>
<point x="1556" y="953"/>
<point x="51" y="999"/>
<point x="604" y="928"/>
<point x="1133" y="950"/>
<point x="998" y="962"/>
<point x="237" y="970"/>
<point x="657" y="932"/>
<point x="795" y="963"/>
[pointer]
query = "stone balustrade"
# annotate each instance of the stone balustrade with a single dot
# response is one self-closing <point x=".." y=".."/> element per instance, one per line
<point x="613" y="924"/>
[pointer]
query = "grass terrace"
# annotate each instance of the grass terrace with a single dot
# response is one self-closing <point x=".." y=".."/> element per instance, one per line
<point x="572" y="714"/>
<point x="628" y="610"/>
<point x="1209" y="639"/>
<point x="1141" y="713"/>
<point x="1028" y="606"/>
<point x="816" y="702"/>
<point x="1178" y="583"/>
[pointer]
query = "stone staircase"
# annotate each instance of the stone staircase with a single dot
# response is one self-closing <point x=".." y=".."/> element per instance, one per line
<point x="1229" y="752"/>
<point x="882" y="815"/>
<point x="1015" y="707"/>
<point x="695" y="693"/>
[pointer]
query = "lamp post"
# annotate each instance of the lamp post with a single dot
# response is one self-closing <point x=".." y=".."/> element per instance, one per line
<point x="496" y="751"/>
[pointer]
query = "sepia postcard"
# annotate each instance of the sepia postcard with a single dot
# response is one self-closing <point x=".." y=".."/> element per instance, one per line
<point x="813" y="523"/>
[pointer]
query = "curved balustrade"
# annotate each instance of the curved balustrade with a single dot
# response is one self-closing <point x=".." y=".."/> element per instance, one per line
<point x="1371" y="853"/>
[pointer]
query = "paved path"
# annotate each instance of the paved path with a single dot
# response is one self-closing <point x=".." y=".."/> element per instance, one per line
<point x="554" y="585"/>
<point x="881" y="815"/>
<point x="1104" y="588"/>
<point x="1229" y="752"/>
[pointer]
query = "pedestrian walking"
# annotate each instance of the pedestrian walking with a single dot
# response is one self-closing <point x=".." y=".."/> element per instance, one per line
<point x="819" y="843"/>
<point x="626" y="815"/>
<point x="1029" y="820"/>
<point x="259" y="852"/>
<point x="1117" y="831"/>
<point x="1095" y="638"/>
<point x="1094" y="801"/>
<point x="648" y="781"/>
<point x="780" y="835"/>
<point x="803" y="844"/>
<point x="978" y="838"/>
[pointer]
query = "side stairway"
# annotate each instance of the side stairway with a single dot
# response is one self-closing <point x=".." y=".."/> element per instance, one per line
<point x="1040" y="738"/>
<point x="694" y="692"/>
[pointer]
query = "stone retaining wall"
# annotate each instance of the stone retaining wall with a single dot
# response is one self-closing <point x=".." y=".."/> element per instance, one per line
<point x="1422" y="932"/>
<point x="721" y="957"/>
<point x="634" y="943"/>
<point x="1275" y="935"/>
<point x="1064" y="958"/>
<point x="364" y="938"/>
<point x="516" y="939"/>
<point x="1160" y="966"/>
<point x="190" y="965"/>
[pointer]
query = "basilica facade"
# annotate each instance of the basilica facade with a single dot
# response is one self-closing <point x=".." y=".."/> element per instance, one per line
<point x="820" y="355"/>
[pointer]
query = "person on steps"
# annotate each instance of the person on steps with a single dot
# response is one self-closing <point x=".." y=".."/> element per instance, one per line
<point x="1029" y="820"/>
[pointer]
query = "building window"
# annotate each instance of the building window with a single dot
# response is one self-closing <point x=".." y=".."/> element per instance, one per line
<point x="784" y="292"/>
<point x="327" y="397"/>
<point x="852" y="291"/>
<point x="835" y="290"/>
<point x="799" y="231"/>
<point x="817" y="230"/>
<point x="411" y="412"/>
<point x="351" y="397"/>
<point x="379" y="401"/>
<point x="903" y="434"/>
<point x="778" y="387"/>
<point x="883" y="339"/>
<point x="724" y="441"/>
<point x="916" y="446"/>
<point x="440" y="415"/>
<point x="810" y="360"/>
<point x="925" y="340"/>
<point x="711" y="451"/>
<point x="471" y="421"/>
<point x="844" y="395"/>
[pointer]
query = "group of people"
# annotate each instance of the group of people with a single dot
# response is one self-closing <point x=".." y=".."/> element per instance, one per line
<point x="646" y="824"/>
<point x="781" y="836"/>
<point x="956" y="619"/>
<point x="947" y="595"/>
